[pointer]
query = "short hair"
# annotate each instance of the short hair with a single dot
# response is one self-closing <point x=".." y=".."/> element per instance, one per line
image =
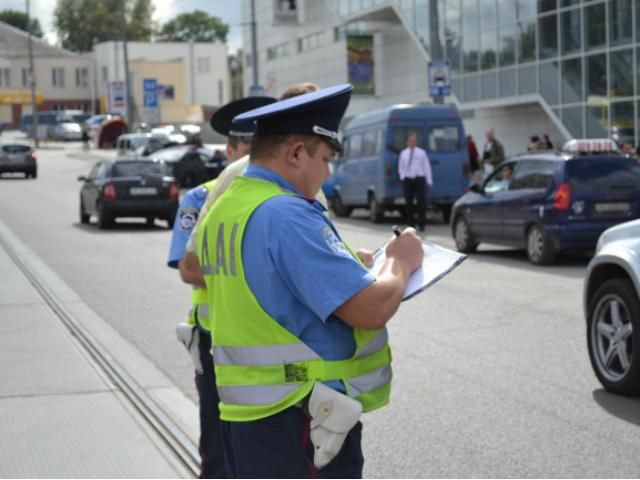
<point x="268" y="145"/>
<point x="299" y="89"/>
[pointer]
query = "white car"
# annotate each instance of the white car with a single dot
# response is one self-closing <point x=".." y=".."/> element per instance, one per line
<point x="66" y="131"/>
<point x="612" y="309"/>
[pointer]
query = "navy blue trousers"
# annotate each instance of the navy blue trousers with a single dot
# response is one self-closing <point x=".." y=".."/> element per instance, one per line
<point x="211" y="445"/>
<point x="279" y="447"/>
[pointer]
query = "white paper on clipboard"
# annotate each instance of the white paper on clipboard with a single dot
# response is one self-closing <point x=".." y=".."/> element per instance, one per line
<point x="437" y="263"/>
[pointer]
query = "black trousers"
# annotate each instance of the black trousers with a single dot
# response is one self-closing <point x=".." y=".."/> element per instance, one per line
<point x="280" y="447"/>
<point x="415" y="197"/>
<point x="211" y="446"/>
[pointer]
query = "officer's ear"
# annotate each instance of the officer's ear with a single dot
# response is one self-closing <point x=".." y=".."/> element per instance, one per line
<point x="294" y="152"/>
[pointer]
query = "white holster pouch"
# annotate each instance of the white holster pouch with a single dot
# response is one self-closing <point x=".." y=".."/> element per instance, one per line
<point x="189" y="336"/>
<point x="333" y="415"/>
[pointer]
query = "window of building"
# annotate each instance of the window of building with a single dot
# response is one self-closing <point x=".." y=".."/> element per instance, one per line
<point x="596" y="75"/>
<point x="622" y="122"/>
<point x="548" y="35"/>
<point x="568" y="3"/>
<point x="82" y="77"/>
<point x="471" y="15"/>
<point x="489" y="85"/>
<point x="597" y="125"/>
<point x="620" y="20"/>
<point x="5" y="77"/>
<point x="489" y="55"/>
<point x="621" y="68"/>
<point x="547" y="5"/>
<point x="453" y="50"/>
<point x="571" y="80"/>
<point x="570" y="31"/>
<point x="507" y="11"/>
<point x="526" y="9"/>
<point x="169" y="92"/>
<point x="25" y="77"/>
<point x="507" y="45"/>
<point x="57" y="77"/>
<point x="279" y="51"/>
<point x="488" y="13"/>
<point x="548" y="78"/>
<point x="470" y="47"/>
<point x="527" y="40"/>
<point x="572" y="119"/>
<point x="595" y="25"/>
<point x="452" y="17"/>
<point x="202" y="65"/>
<point x="105" y="74"/>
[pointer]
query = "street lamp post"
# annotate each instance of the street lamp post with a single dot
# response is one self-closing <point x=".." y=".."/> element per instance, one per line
<point x="435" y="47"/>
<point x="32" y="82"/>
<point x="123" y="28"/>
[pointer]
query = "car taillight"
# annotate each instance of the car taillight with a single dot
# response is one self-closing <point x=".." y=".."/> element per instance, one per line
<point x="562" y="199"/>
<point x="173" y="192"/>
<point x="110" y="192"/>
<point x="34" y="155"/>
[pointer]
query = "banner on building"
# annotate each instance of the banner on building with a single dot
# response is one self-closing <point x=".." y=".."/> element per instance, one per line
<point x="360" y="64"/>
<point x="116" y="97"/>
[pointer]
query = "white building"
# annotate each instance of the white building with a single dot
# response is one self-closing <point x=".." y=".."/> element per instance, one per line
<point x="522" y="67"/>
<point x="204" y="78"/>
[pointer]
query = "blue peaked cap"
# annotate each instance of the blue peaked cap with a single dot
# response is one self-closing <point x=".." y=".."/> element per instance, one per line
<point x="221" y="120"/>
<point x="315" y="113"/>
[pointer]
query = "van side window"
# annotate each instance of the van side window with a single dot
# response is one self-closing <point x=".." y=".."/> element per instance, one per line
<point x="369" y="143"/>
<point x="399" y="139"/>
<point x="355" y="145"/>
<point x="525" y="175"/>
<point x="380" y="141"/>
<point x="444" y="139"/>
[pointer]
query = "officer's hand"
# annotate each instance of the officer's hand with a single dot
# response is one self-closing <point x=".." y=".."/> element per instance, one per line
<point x="407" y="248"/>
<point x="366" y="256"/>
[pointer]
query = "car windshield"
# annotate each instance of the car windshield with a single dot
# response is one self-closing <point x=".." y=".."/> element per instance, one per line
<point x="587" y="175"/>
<point x="137" y="169"/>
<point x="15" y="148"/>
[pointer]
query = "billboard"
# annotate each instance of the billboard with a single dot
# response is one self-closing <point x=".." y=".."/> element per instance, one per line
<point x="360" y="64"/>
<point x="116" y="97"/>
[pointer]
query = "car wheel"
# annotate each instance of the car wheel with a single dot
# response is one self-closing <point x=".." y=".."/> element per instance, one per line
<point x="376" y="212"/>
<point x="446" y="213"/>
<point x="613" y="336"/>
<point x="539" y="249"/>
<point x="339" y="208"/>
<point x="462" y="235"/>
<point x="104" y="217"/>
<point x="34" y="174"/>
<point x="84" y="217"/>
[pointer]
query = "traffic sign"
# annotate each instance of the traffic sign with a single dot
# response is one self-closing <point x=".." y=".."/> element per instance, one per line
<point x="150" y="92"/>
<point x="439" y="78"/>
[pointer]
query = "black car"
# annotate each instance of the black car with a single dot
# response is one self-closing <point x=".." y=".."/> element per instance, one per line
<point x="128" y="188"/>
<point x="191" y="165"/>
<point x="548" y="202"/>
<point x="17" y="157"/>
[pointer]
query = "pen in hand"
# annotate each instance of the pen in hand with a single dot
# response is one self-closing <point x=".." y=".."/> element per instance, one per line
<point x="396" y="230"/>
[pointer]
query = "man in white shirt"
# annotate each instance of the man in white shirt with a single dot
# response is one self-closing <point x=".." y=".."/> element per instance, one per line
<point x="414" y="171"/>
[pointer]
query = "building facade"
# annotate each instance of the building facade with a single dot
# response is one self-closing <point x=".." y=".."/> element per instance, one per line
<point x="64" y="79"/>
<point x="567" y="68"/>
<point x="196" y="75"/>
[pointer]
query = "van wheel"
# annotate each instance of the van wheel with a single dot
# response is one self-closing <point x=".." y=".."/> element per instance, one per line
<point x="539" y="249"/>
<point x="376" y="212"/>
<point x="339" y="208"/>
<point x="462" y="236"/>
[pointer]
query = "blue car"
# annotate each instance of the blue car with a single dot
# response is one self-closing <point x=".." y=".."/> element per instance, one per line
<point x="548" y="202"/>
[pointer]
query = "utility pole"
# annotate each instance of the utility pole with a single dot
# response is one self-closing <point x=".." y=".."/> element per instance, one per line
<point x="32" y="81"/>
<point x="254" y="44"/>
<point x="123" y="28"/>
<point x="435" y="48"/>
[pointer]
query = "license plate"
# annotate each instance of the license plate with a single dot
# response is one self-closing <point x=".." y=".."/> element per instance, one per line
<point x="143" y="190"/>
<point x="612" y="207"/>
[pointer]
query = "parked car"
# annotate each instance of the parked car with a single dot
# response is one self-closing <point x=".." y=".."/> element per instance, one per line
<point x="16" y="157"/>
<point x="128" y="188"/>
<point x="366" y="175"/>
<point x="66" y="129"/>
<point x="141" y="144"/>
<point x="548" y="202"/>
<point x="190" y="165"/>
<point x="612" y="309"/>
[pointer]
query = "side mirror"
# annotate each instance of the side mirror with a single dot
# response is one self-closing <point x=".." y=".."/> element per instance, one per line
<point x="82" y="178"/>
<point x="475" y="187"/>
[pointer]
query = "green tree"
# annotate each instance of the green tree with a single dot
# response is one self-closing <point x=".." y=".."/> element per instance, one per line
<point x="19" y="20"/>
<point x="82" y="23"/>
<point x="197" y="26"/>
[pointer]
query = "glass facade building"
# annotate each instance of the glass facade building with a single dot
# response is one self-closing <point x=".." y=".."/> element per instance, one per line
<point x="578" y="58"/>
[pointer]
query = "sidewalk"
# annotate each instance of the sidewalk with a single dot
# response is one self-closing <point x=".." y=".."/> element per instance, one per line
<point x="61" y="416"/>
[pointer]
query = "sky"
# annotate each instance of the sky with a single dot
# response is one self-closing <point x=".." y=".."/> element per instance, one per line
<point x="227" y="10"/>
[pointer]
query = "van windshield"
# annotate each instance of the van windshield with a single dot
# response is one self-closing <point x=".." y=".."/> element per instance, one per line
<point x="598" y="174"/>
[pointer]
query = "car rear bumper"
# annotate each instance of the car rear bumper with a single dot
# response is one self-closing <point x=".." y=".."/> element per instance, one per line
<point x="586" y="235"/>
<point x="141" y="208"/>
<point x="17" y="167"/>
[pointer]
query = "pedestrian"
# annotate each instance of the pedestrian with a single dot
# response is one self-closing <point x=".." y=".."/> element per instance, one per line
<point x="534" y="144"/>
<point x="301" y="333"/>
<point x="414" y="170"/>
<point x="547" y="142"/>
<point x="195" y="333"/>
<point x="85" y="138"/>
<point x="474" y="165"/>
<point x="492" y="153"/>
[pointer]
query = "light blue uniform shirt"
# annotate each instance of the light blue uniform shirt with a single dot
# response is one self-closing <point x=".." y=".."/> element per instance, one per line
<point x="300" y="271"/>
<point x="186" y="219"/>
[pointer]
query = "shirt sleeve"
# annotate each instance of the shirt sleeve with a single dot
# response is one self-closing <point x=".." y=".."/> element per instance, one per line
<point x="427" y="167"/>
<point x="402" y="160"/>
<point x="311" y="258"/>
<point x="185" y="222"/>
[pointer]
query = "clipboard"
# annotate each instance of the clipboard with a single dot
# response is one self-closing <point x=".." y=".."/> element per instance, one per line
<point x="437" y="263"/>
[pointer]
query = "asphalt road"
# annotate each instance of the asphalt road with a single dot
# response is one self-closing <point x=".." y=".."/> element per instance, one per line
<point x="491" y="372"/>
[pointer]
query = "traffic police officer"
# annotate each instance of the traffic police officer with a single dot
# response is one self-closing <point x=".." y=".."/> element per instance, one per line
<point x="197" y="339"/>
<point x="299" y="308"/>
